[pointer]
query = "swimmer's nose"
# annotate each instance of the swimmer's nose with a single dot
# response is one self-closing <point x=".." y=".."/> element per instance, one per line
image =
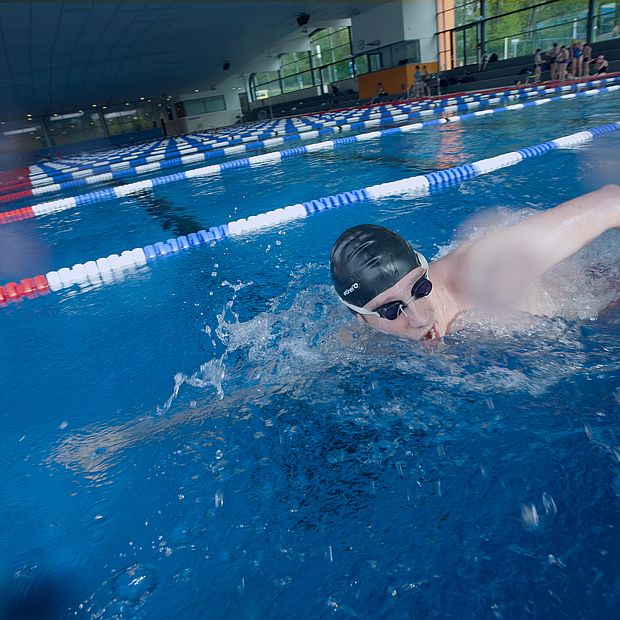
<point x="413" y="317"/>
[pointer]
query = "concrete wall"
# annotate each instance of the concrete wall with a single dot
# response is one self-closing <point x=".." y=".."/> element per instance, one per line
<point x="201" y="122"/>
<point x="397" y="21"/>
<point x="297" y="95"/>
<point x="385" y="23"/>
<point x="420" y="22"/>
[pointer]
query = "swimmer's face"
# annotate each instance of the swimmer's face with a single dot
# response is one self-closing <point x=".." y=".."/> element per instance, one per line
<point x="421" y="318"/>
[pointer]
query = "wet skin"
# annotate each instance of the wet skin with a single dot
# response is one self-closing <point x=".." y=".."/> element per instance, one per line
<point x="422" y="319"/>
<point x="498" y="270"/>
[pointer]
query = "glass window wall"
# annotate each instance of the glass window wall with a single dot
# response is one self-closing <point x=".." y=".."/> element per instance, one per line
<point x="129" y="118"/>
<point x="512" y="28"/>
<point x="329" y="59"/>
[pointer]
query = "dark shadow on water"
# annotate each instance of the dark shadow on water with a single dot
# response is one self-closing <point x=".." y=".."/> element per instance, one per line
<point x="171" y="216"/>
<point x="38" y="598"/>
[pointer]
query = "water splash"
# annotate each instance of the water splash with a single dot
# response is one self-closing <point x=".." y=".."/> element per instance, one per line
<point x="306" y="348"/>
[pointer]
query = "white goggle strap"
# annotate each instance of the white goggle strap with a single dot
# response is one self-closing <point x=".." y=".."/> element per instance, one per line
<point x="423" y="261"/>
<point x="357" y="308"/>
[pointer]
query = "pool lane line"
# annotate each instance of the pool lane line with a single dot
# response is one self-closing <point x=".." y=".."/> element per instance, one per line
<point x="116" y="266"/>
<point x="68" y="180"/>
<point x="63" y="204"/>
<point x="108" y="170"/>
<point x="123" y="170"/>
<point x="257" y="128"/>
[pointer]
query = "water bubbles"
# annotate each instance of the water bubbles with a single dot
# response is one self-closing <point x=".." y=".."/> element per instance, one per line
<point x="553" y="560"/>
<point x="529" y="516"/>
<point x="549" y="504"/>
<point x="124" y="594"/>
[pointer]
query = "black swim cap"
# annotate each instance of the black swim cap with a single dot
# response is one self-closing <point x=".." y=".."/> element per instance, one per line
<point x="367" y="260"/>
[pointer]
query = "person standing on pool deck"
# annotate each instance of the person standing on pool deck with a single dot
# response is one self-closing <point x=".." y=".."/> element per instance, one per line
<point x="537" y="65"/>
<point x="552" y="55"/>
<point x="562" y="60"/>
<point x="587" y="57"/>
<point x="577" y="66"/>
<point x="426" y="79"/>
<point x="392" y="288"/>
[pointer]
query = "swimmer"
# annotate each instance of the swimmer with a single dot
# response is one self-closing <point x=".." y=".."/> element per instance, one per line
<point x="393" y="289"/>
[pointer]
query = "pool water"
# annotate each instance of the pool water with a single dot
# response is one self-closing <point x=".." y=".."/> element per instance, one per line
<point x="214" y="436"/>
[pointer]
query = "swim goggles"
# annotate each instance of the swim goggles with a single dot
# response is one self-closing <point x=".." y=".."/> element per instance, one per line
<point x="393" y="309"/>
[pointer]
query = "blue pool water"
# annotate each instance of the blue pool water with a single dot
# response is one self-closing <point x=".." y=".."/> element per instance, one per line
<point x="213" y="437"/>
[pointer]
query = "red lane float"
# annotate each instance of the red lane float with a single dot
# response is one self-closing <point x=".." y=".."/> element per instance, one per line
<point x="16" y="174"/>
<point x="16" y="215"/>
<point x="16" y="196"/>
<point x="28" y="287"/>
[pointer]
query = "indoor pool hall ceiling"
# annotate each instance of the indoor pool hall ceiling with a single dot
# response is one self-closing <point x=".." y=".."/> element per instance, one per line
<point x="58" y="56"/>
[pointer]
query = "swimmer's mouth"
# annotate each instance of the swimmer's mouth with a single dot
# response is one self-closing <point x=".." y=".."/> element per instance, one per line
<point x="432" y="333"/>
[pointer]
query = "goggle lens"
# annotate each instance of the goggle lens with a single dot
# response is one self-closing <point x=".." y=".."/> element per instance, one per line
<point x="392" y="309"/>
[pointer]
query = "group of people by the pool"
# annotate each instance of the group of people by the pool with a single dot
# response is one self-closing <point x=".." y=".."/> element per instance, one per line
<point x="572" y="61"/>
<point x="565" y="62"/>
<point x="391" y="287"/>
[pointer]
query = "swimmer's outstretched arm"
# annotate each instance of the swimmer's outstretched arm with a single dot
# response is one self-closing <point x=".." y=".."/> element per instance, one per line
<point x="553" y="235"/>
<point x="543" y="240"/>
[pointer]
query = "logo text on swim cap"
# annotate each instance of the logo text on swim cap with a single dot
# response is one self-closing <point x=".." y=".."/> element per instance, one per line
<point x="351" y="289"/>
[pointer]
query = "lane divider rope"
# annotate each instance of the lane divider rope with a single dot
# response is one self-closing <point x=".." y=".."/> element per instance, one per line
<point x="149" y="164"/>
<point x="25" y="176"/>
<point x="275" y="157"/>
<point x="115" y="266"/>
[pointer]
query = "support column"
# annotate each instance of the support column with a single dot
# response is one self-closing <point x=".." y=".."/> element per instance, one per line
<point x="483" y="28"/>
<point x="47" y="137"/>
<point x="590" y="22"/>
<point x="104" y="123"/>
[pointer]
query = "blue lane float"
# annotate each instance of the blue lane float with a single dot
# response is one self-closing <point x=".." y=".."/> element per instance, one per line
<point x="115" y="266"/>
<point x="62" y="180"/>
<point x="275" y="157"/>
